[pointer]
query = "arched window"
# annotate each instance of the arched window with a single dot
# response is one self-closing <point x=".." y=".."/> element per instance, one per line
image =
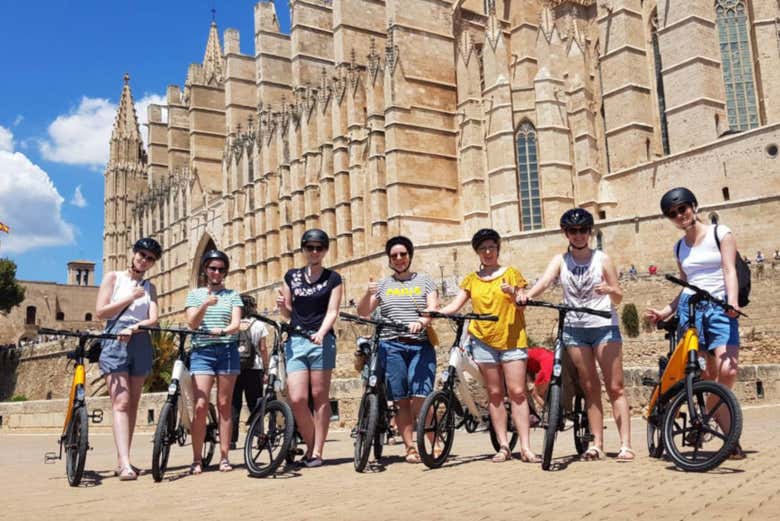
<point x="60" y="316"/>
<point x="528" y="177"/>
<point x="88" y="317"/>
<point x="30" y="318"/>
<point x="659" y="85"/>
<point x="737" y="64"/>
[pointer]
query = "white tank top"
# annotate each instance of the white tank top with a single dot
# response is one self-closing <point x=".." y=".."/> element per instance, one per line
<point x="702" y="263"/>
<point x="578" y="282"/>
<point x="123" y="287"/>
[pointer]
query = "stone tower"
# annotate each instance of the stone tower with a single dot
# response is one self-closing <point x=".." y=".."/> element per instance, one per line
<point x="125" y="178"/>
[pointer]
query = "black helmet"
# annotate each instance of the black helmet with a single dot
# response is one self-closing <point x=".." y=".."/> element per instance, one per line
<point x="576" y="217"/>
<point x="215" y="255"/>
<point x="315" y="235"/>
<point x="150" y="245"/>
<point x="485" y="234"/>
<point x="675" y="197"/>
<point x="403" y="241"/>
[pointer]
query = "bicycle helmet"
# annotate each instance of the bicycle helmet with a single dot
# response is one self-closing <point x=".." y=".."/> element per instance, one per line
<point x="485" y="234"/>
<point x="214" y="255"/>
<point x="150" y="245"/>
<point x="315" y="235"/>
<point x="677" y="196"/>
<point x="576" y="217"/>
<point x="403" y="241"/>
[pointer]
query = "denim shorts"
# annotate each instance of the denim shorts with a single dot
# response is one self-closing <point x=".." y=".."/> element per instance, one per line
<point x="409" y="368"/>
<point x="483" y="353"/>
<point x="301" y="354"/>
<point x="215" y="359"/>
<point x="715" y="327"/>
<point x="134" y="357"/>
<point x="590" y="336"/>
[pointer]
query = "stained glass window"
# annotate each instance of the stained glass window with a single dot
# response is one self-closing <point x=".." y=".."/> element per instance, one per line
<point x="528" y="177"/>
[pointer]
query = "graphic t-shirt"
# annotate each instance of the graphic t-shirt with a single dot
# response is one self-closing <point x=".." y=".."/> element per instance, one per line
<point x="217" y="316"/>
<point x="310" y="299"/>
<point x="399" y="300"/>
<point x="487" y="297"/>
<point x="579" y="282"/>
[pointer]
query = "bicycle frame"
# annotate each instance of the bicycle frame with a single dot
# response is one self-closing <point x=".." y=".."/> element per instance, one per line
<point x="277" y="376"/>
<point x="460" y="364"/>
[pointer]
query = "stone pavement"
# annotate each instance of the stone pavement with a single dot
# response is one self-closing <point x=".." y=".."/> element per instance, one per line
<point x="469" y="486"/>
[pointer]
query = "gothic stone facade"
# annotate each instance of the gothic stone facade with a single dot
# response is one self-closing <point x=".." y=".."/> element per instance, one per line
<point x="433" y="118"/>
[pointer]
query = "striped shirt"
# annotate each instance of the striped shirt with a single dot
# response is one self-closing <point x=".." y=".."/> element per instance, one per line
<point x="399" y="300"/>
<point x="217" y="316"/>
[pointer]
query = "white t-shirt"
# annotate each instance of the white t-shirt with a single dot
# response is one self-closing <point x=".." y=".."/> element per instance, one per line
<point x="257" y="331"/>
<point x="702" y="263"/>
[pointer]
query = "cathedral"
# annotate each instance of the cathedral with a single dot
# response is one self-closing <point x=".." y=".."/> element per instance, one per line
<point x="434" y="118"/>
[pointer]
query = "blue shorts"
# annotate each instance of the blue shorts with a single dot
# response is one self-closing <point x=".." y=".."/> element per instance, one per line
<point x="409" y="368"/>
<point x="483" y="353"/>
<point x="590" y="336"/>
<point x="134" y="357"/>
<point x="215" y="359"/>
<point x="301" y="354"/>
<point x="716" y="328"/>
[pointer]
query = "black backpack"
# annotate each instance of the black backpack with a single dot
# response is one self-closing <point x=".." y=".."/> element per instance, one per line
<point x="246" y="348"/>
<point x="743" y="272"/>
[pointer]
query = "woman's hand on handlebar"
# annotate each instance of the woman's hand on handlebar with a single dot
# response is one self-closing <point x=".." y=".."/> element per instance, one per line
<point x="735" y="310"/>
<point x="415" y="327"/>
<point x="654" y="315"/>
<point x="521" y="297"/>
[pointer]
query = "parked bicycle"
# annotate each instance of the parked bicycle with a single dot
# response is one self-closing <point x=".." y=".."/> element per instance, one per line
<point x="374" y="415"/>
<point x="553" y="417"/>
<point x="698" y="422"/>
<point x="655" y="442"/>
<point x="75" y="431"/>
<point x="175" y="419"/>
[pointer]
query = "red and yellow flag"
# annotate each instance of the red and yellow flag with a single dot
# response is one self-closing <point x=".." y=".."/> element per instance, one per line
<point x="4" y="228"/>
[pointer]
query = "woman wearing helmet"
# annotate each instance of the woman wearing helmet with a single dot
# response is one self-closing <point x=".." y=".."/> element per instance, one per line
<point x="409" y="359"/>
<point x="589" y="279"/>
<point x="214" y="357"/>
<point x="702" y="263"/>
<point x="310" y="299"/>
<point x="127" y="301"/>
<point x="499" y="348"/>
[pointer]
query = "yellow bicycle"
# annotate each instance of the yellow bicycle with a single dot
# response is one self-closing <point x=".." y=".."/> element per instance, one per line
<point x="75" y="431"/>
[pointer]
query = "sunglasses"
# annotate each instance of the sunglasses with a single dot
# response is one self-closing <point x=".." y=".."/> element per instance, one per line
<point x="575" y="231"/>
<point x="487" y="249"/>
<point x="147" y="258"/>
<point x="311" y="248"/>
<point x="214" y="269"/>
<point x="399" y="255"/>
<point x="680" y="210"/>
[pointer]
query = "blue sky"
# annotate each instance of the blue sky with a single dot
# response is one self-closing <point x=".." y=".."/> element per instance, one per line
<point x="62" y="66"/>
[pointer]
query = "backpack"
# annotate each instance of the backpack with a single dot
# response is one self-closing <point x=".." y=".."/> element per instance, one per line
<point x="246" y="348"/>
<point x="743" y="273"/>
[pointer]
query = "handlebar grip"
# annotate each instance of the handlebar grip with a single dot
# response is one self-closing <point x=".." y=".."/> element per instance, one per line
<point x="602" y="314"/>
<point x="678" y="281"/>
<point x="486" y="317"/>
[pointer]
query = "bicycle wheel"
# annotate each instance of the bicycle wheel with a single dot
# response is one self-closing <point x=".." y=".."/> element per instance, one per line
<point x="368" y="415"/>
<point x="553" y="416"/>
<point x="212" y="436"/>
<point x="510" y="430"/>
<point x="436" y="429"/>
<point x="293" y="450"/>
<point x="76" y="445"/>
<point x="702" y="439"/>
<point x="268" y="439"/>
<point x="582" y="434"/>
<point x="164" y="437"/>
<point x="655" y="438"/>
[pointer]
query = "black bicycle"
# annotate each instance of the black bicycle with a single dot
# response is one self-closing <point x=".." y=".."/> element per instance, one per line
<point x="553" y="417"/>
<point x="374" y="416"/>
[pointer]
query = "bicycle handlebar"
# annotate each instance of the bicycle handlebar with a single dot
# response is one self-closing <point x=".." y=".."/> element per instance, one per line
<point x="178" y="330"/>
<point x="568" y="309"/>
<point x="704" y="294"/>
<point x="383" y="323"/>
<point x="462" y="316"/>
<point x="78" y="334"/>
<point x="279" y="326"/>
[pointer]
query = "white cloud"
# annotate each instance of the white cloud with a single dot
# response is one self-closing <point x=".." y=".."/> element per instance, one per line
<point x="81" y="137"/>
<point x="6" y="140"/>
<point x="78" y="198"/>
<point x="18" y="120"/>
<point x="30" y="206"/>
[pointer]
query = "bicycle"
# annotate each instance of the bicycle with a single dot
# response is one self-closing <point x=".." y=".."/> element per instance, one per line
<point x="553" y="418"/>
<point x="443" y="410"/>
<point x="655" y="442"/>
<point x="686" y="408"/>
<point x="271" y="421"/>
<point x="75" y="430"/>
<point x="175" y="419"/>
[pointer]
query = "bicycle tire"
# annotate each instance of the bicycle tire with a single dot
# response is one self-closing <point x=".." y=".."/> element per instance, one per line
<point x="273" y="430"/>
<point x="379" y="442"/>
<point x="510" y="429"/>
<point x="368" y="416"/>
<point x="164" y="437"/>
<point x="212" y="436"/>
<point x="675" y="429"/>
<point x="439" y="409"/>
<point x="76" y="445"/>
<point x="582" y="434"/>
<point x="292" y="451"/>
<point x="553" y="408"/>
<point x="655" y="438"/>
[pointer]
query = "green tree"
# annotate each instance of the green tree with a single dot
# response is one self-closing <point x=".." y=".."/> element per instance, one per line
<point x="630" y="319"/>
<point x="11" y="292"/>
<point x="165" y="353"/>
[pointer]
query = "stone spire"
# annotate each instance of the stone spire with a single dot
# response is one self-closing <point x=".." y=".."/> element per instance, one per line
<point x="126" y="122"/>
<point x="212" y="58"/>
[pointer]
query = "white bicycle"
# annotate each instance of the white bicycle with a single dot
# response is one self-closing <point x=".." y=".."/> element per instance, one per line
<point x="175" y="420"/>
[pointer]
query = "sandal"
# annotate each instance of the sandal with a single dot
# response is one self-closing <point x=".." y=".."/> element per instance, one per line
<point x="527" y="456"/>
<point x="138" y="472"/>
<point x="592" y="454"/>
<point x="411" y="455"/>
<point x="225" y="466"/>
<point x="626" y="454"/>
<point x="196" y="467"/>
<point x="127" y="474"/>
<point x="502" y="455"/>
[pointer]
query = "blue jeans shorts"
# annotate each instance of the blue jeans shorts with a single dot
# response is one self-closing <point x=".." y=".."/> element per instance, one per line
<point x="483" y="353"/>
<point x="715" y="327"/>
<point x="590" y="336"/>
<point x="301" y="354"/>
<point x="134" y="357"/>
<point x="409" y="368"/>
<point x="215" y="359"/>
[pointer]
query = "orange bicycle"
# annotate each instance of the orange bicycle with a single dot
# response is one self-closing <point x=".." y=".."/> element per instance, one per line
<point x="75" y="431"/>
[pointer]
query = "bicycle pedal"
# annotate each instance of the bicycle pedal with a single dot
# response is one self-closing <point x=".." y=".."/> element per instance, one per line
<point x="50" y="457"/>
<point x="649" y="382"/>
<point x="97" y="416"/>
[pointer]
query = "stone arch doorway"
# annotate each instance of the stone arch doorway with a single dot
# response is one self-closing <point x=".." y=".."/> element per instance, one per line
<point x="197" y="278"/>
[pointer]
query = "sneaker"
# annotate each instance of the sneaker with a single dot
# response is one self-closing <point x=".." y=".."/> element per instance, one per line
<point x="312" y="462"/>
